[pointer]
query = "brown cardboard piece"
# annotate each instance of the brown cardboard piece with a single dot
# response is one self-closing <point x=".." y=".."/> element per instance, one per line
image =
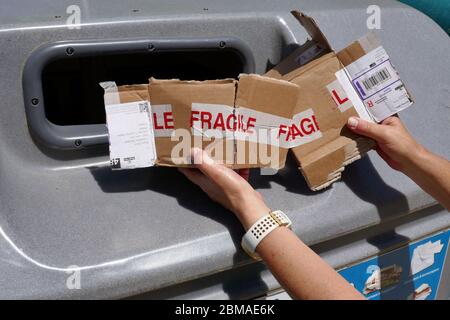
<point x="191" y="105"/>
<point x="322" y="161"/>
<point x="305" y="81"/>
<point x="180" y="95"/>
<point x="270" y="96"/>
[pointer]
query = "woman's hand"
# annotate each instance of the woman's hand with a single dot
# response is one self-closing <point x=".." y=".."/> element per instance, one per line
<point x="394" y="143"/>
<point x="226" y="187"/>
<point x="396" y="146"/>
<point x="301" y="271"/>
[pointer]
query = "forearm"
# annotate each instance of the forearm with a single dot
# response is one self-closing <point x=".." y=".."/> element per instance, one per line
<point x="303" y="273"/>
<point x="300" y="270"/>
<point x="432" y="174"/>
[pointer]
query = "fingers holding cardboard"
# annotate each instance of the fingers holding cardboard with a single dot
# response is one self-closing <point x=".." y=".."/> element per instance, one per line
<point x="194" y="175"/>
<point x="366" y="128"/>
<point x="207" y="166"/>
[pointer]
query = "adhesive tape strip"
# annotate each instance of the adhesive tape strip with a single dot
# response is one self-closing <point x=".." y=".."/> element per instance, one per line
<point x="111" y="95"/>
<point x="245" y="124"/>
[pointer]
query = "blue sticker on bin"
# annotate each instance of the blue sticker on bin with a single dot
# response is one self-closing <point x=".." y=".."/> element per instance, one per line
<point x="412" y="272"/>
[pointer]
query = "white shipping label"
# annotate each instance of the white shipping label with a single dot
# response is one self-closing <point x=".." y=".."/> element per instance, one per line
<point x="131" y="135"/>
<point x="378" y="84"/>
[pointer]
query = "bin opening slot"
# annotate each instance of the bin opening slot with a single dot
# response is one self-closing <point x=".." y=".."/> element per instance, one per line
<point x="71" y="88"/>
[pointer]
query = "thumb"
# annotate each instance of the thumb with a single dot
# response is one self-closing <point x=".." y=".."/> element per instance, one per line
<point x="207" y="166"/>
<point x="222" y="176"/>
<point x="366" y="128"/>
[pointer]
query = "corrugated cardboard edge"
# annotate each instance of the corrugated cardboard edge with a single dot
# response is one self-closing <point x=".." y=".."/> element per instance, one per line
<point x="291" y="63"/>
<point x="353" y="152"/>
<point x="312" y="28"/>
<point x="361" y="145"/>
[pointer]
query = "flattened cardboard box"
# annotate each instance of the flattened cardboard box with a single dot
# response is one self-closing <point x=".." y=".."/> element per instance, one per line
<point x="178" y="97"/>
<point x="271" y="104"/>
<point x="309" y="116"/>
<point x="225" y="117"/>
<point x="327" y="85"/>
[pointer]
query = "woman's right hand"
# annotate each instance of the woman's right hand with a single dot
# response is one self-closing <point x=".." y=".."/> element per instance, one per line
<point x="399" y="149"/>
<point x="394" y="143"/>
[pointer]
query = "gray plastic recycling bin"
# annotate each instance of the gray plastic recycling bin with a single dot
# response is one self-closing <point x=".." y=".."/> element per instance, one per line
<point x="72" y="228"/>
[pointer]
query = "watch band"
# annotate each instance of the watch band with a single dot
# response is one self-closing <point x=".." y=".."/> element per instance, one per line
<point x="261" y="228"/>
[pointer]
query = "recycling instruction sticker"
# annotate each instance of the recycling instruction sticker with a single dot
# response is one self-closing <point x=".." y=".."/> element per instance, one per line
<point x="412" y="272"/>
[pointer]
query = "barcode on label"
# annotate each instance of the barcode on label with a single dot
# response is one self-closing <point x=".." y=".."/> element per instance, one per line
<point x="143" y="107"/>
<point x="379" y="77"/>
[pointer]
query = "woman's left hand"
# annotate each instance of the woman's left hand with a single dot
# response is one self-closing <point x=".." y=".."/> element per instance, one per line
<point x="227" y="187"/>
